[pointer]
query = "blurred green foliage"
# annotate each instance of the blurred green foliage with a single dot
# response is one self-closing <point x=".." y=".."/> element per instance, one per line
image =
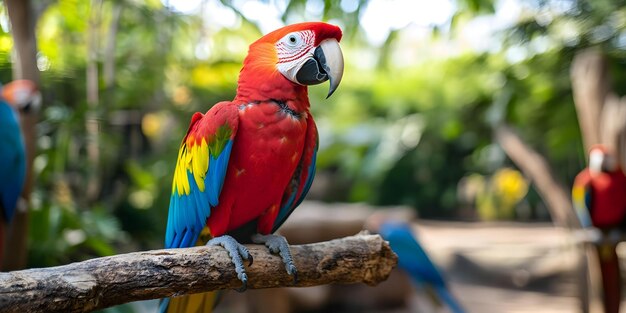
<point x="406" y="125"/>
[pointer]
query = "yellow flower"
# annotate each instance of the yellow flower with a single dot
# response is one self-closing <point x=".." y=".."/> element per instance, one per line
<point x="151" y="124"/>
<point x="510" y="185"/>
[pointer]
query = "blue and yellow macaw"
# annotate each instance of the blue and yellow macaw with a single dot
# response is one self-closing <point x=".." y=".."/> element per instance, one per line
<point x="415" y="262"/>
<point x="17" y="95"/>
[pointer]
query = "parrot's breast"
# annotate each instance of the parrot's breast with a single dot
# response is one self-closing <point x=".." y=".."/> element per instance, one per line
<point x="266" y="152"/>
<point x="609" y="199"/>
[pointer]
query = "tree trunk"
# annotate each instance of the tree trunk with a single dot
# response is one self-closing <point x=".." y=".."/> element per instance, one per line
<point x="92" y="123"/>
<point x="535" y="166"/>
<point x="23" y="22"/>
<point x="590" y="85"/>
<point x="108" y="64"/>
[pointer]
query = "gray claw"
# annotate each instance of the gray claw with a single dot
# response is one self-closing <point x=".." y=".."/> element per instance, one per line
<point x="278" y="245"/>
<point x="238" y="253"/>
<point x="244" y="283"/>
<point x="293" y="271"/>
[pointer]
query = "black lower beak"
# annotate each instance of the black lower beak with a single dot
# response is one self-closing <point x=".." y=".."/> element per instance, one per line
<point x="326" y="64"/>
<point x="312" y="72"/>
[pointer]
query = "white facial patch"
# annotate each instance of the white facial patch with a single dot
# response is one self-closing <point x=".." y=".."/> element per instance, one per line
<point x="23" y="97"/>
<point x="293" y="51"/>
<point x="596" y="158"/>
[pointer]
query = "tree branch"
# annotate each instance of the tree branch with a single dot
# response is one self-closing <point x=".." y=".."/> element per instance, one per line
<point x="104" y="282"/>
<point x="537" y="168"/>
<point x="92" y="121"/>
<point x="590" y="85"/>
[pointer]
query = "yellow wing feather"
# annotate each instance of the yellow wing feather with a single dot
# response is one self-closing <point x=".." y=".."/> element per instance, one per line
<point x="194" y="158"/>
<point x="200" y="163"/>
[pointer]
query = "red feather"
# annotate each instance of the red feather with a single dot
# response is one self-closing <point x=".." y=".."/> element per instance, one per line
<point x="608" y="196"/>
<point x="266" y="152"/>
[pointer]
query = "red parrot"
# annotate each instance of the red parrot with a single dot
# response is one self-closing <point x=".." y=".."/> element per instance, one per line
<point x="246" y="164"/>
<point x="599" y="196"/>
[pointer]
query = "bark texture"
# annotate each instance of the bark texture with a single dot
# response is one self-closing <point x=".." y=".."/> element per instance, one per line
<point x="103" y="282"/>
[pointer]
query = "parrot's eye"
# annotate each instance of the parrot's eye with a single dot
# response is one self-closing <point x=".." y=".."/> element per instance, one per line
<point x="293" y="40"/>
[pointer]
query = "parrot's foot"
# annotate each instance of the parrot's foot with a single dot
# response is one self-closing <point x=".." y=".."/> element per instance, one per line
<point x="278" y="244"/>
<point x="238" y="253"/>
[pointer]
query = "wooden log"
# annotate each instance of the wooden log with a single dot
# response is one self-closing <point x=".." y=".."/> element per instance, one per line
<point x="103" y="282"/>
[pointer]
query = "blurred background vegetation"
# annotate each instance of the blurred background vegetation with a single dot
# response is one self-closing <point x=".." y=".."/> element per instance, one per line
<point x="412" y="123"/>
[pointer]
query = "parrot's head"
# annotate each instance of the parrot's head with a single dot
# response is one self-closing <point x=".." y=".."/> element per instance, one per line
<point x="292" y="57"/>
<point x="601" y="160"/>
<point x="22" y="95"/>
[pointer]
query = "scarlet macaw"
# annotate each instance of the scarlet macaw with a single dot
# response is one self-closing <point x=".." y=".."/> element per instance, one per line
<point x="599" y="196"/>
<point x="17" y="95"/>
<point x="412" y="258"/>
<point x="246" y="164"/>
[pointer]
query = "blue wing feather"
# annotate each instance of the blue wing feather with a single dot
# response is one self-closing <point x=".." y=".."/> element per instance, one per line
<point x="12" y="161"/>
<point x="288" y="206"/>
<point x="588" y="198"/>
<point x="447" y="297"/>
<point x="413" y="259"/>
<point x="188" y="213"/>
<point x="309" y="180"/>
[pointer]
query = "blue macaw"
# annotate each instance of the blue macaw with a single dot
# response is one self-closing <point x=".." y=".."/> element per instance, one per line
<point x="413" y="259"/>
<point x="17" y="95"/>
<point x="12" y="160"/>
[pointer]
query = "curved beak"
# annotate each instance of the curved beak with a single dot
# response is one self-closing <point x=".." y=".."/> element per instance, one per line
<point x="326" y="64"/>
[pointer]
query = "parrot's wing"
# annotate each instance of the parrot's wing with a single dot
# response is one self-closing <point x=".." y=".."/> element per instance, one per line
<point x="302" y="178"/>
<point x="581" y="198"/>
<point x="12" y="161"/>
<point x="200" y="172"/>
<point x="448" y="298"/>
<point x="412" y="258"/>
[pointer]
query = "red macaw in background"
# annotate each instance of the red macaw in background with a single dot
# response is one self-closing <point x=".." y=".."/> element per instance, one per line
<point x="599" y="196"/>
<point x="246" y="164"/>
<point x="17" y="96"/>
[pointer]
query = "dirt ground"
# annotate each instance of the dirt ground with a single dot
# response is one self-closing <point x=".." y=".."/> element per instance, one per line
<point x="506" y="267"/>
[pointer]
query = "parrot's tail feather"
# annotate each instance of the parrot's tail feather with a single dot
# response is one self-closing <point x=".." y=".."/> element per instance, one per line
<point x="445" y="296"/>
<point x="194" y="303"/>
<point x="1" y="241"/>
<point x="611" y="281"/>
<point x="163" y="305"/>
